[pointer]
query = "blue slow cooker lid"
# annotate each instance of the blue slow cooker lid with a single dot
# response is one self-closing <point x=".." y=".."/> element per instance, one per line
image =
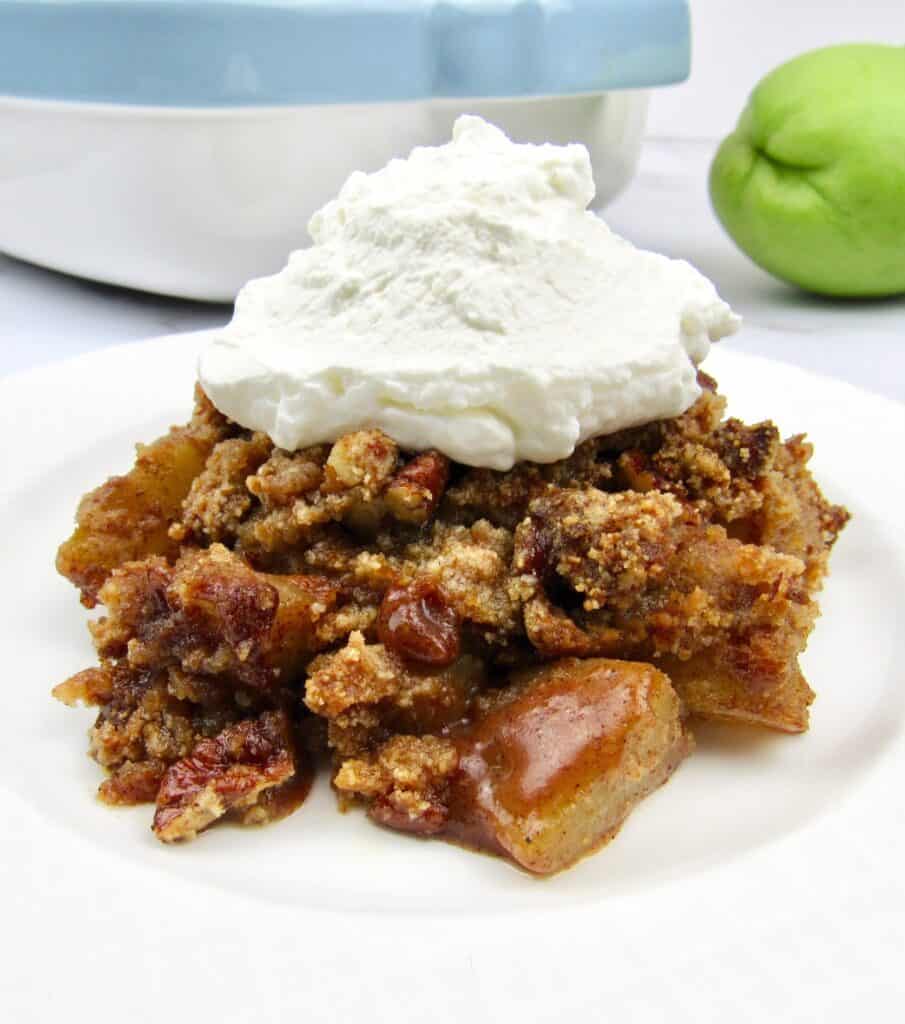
<point x="209" y="53"/>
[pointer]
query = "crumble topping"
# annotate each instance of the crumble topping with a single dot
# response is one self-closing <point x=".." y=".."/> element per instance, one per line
<point x="386" y="607"/>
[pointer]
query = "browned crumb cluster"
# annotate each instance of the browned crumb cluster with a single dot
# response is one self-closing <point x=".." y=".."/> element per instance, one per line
<point x="386" y="604"/>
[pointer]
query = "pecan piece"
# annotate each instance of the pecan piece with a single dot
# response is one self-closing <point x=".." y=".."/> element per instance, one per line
<point x="365" y="459"/>
<point x="225" y="774"/>
<point x="415" y="491"/>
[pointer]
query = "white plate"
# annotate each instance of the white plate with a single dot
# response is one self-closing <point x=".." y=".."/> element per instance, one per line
<point x="763" y="882"/>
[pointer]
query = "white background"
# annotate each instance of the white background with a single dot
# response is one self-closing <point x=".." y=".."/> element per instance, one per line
<point x="737" y="41"/>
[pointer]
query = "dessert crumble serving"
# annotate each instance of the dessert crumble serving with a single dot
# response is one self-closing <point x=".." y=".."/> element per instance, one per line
<point x="458" y="513"/>
<point x="510" y="659"/>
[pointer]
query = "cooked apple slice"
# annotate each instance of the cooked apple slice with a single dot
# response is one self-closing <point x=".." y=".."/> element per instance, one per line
<point x="554" y="766"/>
<point x="712" y="687"/>
<point x="129" y="517"/>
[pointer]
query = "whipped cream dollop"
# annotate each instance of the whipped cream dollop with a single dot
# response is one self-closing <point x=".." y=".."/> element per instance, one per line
<point x="465" y="299"/>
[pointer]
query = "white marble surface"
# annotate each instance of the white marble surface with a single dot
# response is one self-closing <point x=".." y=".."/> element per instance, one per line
<point x="46" y="316"/>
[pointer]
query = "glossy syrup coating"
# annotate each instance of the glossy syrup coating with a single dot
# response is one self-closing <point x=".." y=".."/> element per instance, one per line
<point x="418" y="624"/>
<point x="551" y="771"/>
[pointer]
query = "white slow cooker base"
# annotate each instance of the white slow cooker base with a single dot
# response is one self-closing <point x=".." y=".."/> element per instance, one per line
<point x="193" y="203"/>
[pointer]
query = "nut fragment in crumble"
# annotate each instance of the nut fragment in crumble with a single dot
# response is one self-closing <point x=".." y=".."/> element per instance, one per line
<point x="222" y="775"/>
<point x="506" y="659"/>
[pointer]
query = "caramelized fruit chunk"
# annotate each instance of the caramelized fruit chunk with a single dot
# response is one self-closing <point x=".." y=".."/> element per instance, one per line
<point x="555" y="765"/>
<point x="713" y="685"/>
<point x="129" y="517"/>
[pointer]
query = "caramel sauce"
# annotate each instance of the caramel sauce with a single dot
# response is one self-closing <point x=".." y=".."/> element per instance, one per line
<point x="283" y="800"/>
<point x="567" y="725"/>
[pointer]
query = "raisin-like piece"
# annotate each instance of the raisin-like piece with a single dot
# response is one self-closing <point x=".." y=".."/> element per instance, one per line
<point x="416" y="623"/>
